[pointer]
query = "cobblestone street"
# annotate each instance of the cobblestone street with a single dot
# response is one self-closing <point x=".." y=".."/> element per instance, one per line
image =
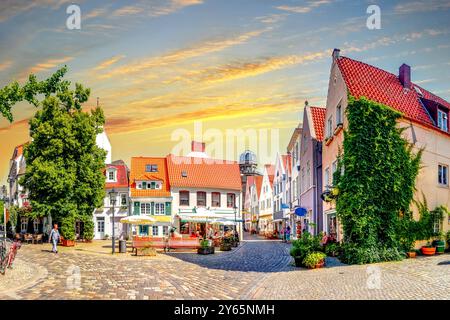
<point x="255" y="270"/>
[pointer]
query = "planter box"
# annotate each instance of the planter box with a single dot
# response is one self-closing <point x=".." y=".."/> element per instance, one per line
<point x="428" y="251"/>
<point x="207" y="250"/>
<point x="411" y="254"/>
<point x="328" y="140"/>
<point x="68" y="243"/>
<point x="225" y="247"/>
<point x="338" y="128"/>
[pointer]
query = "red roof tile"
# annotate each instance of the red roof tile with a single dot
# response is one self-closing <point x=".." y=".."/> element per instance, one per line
<point x="203" y="173"/>
<point x="122" y="177"/>
<point x="287" y="163"/>
<point x="138" y="172"/>
<point x="270" y="172"/>
<point x="384" y="87"/>
<point x="258" y="183"/>
<point x="318" y="118"/>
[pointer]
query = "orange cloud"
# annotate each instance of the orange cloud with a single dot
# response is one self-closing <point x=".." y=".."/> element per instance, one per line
<point x="304" y="9"/>
<point x="5" y="65"/>
<point x="183" y="54"/>
<point x="46" y="65"/>
<point x="221" y="112"/>
<point x="108" y="62"/>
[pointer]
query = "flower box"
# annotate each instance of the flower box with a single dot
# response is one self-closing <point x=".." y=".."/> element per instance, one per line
<point x="338" y="129"/>
<point x="68" y="243"/>
<point x="328" y="140"/>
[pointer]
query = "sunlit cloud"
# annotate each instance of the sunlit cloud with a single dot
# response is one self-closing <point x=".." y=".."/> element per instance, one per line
<point x="422" y="6"/>
<point x="127" y="10"/>
<point x="250" y="69"/>
<point x="222" y="112"/>
<point x="196" y="50"/>
<point x="173" y="6"/>
<point x="311" y="5"/>
<point x="47" y="65"/>
<point x="5" y="65"/>
<point x="108" y="62"/>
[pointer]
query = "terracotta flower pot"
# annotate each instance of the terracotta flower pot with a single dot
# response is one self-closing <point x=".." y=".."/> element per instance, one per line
<point x="320" y="264"/>
<point x="427" y="251"/>
<point x="68" y="243"/>
<point x="411" y="254"/>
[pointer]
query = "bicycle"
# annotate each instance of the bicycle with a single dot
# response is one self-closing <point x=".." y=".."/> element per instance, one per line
<point x="7" y="258"/>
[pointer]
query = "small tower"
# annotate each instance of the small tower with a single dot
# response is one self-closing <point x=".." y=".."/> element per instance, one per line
<point x="248" y="163"/>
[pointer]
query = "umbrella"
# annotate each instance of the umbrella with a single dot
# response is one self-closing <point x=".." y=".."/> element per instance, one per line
<point x="138" y="220"/>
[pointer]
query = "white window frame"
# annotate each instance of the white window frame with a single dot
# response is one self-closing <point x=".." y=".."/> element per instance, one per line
<point x="122" y="197"/>
<point x="443" y="178"/>
<point x="326" y="177"/>
<point x="160" y="209"/>
<point x="101" y="224"/>
<point x="443" y="120"/>
<point x="338" y="114"/>
<point x="114" y="173"/>
<point x="146" y="208"/>
<point x="330" y="126"/>
<point x="153" y="231"/>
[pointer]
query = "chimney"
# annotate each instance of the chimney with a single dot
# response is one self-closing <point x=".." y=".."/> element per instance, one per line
<point x="336" y="53"/>
<point x="404" y="75"/>
<point x="197" y="146"/>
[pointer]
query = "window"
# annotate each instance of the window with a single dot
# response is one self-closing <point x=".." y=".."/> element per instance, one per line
<point x="111" y="175"/>
<point x="338" y="115"/>
<point x="442" y="120"/>
<point x="443" y="175"/>
<point x="159" y="209"/>
<point x="201" y="199"/>
<point x="153" y="185"/>
<point x="308" y="175"/>
<point x="101" y="224"/>
<point x="146" y="208"/>
<point x="144" y="185"/>
<point x="155" y="231"/>
<point x="112" y="200"/>
<point x="151" y="168"/>
<point x="231" y="200"/>
<point x="215" y="199"/>
<point x="330" y="127"/>
<point x="165" y="230"/>
<point x="139" y="186"/>
<point x="326" y="179"/>
<point x="36" y="225"/>
<point x="184" y="198"/>
<point x="123" y="199"/>
<point x="333" y="170"/>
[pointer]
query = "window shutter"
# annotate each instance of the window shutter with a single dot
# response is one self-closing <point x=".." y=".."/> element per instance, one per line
<point x="137" y="208"/>
<point x="144" y="185"/>
<point x="168" y="209"/>
<point x="153" y="208"/>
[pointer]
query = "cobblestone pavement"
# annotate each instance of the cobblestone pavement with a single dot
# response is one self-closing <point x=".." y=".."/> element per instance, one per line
<point x="255" y="270"/>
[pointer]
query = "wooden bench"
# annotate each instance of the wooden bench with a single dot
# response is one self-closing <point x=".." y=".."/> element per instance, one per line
<point x="183" y="243"/>
<point x="148" y="244"/>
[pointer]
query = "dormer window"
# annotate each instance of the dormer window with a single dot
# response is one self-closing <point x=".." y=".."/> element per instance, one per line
<point x="111" y="175"/>
<point x="442" y="120"/>
<point x="151" y="168"/>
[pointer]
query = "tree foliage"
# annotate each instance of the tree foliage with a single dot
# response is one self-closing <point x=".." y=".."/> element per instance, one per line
<point x="377" y="186"/>
<point x="64" y="165"/>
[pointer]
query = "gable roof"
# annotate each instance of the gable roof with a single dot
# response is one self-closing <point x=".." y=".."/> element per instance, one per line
<point x="258" y="183"/>
<point x="384" y="87"/>
<point x="203" y="173"/>
<point x="122" y="176"/>
<point x="318" y="121"/>
<point x="138" y="172"/>
<point x="270" y="168"/>
<point x="286" y="163"/>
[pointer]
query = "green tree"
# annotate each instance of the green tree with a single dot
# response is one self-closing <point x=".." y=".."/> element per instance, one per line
<point x="378" y="183"/>
<point x="64" y="165"/>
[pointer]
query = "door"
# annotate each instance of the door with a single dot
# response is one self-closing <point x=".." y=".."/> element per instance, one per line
<point x="100" y="228"/>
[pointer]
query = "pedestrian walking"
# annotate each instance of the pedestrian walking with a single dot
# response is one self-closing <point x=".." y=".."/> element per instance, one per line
<point x="288" y="234"/>
<point x="54" y="237"/>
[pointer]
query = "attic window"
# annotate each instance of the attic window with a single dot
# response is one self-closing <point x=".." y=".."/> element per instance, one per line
<point x="184" y="174"/>
<point x="442" y="120"/>
<point x="151" y="168"/>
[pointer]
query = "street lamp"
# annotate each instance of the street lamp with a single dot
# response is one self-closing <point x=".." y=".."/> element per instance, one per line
<point x="112" y="200"/>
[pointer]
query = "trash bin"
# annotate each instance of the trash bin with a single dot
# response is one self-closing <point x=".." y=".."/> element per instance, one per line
<point x="122" y="246"/>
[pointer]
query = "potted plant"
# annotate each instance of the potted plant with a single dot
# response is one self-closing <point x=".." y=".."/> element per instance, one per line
<point x="225" y="245"/>
<point x="428" y="250"/>
<point x="315" y="260"/>
<point x="439" y="243"/>
<point x="332" y="249"/>
<point x="304" y="246"/>
<point x="296" y="253"/>
<point x="205" y="247"/>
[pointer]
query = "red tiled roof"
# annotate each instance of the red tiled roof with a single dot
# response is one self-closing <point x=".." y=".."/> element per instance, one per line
<point x="286" y="163"/>
<point x="122" y="177"/>
<point x="258" y="183"/>
<point x="203" y="173"/>
<point x="384" y="87"/>
<point x="318" y="118"/>
<point x="138" y="173"/>
<point x="270" y="172"/>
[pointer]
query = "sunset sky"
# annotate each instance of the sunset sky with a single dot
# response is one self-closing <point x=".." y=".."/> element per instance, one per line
<point x="159" y="65"/>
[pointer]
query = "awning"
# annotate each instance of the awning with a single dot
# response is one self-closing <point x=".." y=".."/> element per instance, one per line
<point x="301" y="212"/>
<point x="163" y="219"/>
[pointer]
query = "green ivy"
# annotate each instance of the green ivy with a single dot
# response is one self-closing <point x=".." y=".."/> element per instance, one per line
<point x="377" y="185"/>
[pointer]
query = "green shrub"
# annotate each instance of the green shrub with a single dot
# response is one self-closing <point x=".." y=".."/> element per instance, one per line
<point x="204" y="243"/>
<point x="332" y="249"/>
<point x="305" y="245"/>
<point x="88" y="228"/>
<point x="355" y="254"/>
<point x="314" y="258"/>
<point x="68" y="228"/>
